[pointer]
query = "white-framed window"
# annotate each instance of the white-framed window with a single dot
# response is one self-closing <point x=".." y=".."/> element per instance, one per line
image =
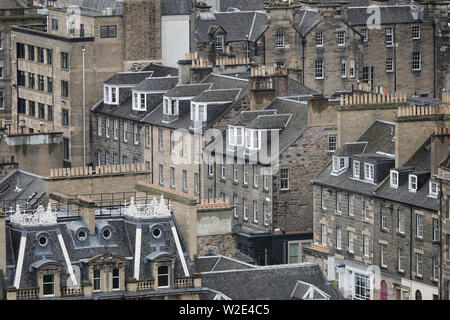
<point x="97" y="280"/>
<point x="343" y="68"/>
<point x="416" y="61"/>
<point x="323" y="239"/>
<point x="435" y="262"/>
<point x="369" y="172"/>
<point x="415" y="32"/>
<point x="435" y="229"/>
<point x="412" y="185"/>
<point x="319" y="39"/>
<point x="171" y="107"/>
<point x="147" y="136"/>
<point x="356" y="169"/>
<point x="366" y="249"/>
<point x="338" y="239"/>
<point x="339" y="202"/>
<point x="125" y="130"/>
<point x="284" y="181"/>
<point x="255" y="211"/>
<point x="350" y="241"/>
<point x="116" y="279"/>
<point x="351" y="200"/>
<point x="389" y="37"/>
<point x="160" y="139"/>
<point x="362" y="286"/>
<point x="266" y="213"/>
<point x="332" y="142"/>
<point x="246" y="173"/>
<point x="433" y="189"/>
<point x="185" y="187"/>
<point x="184" y="144"/>
<point x="340" y="38"/>
<point x="107" y="126"/>
<point x="339" y="164"/>
<point x="223" y="171"/>
<point x="196" y="183"/>
<point x="245" y="204"/>
<point x="394" y="179"/>
<point x="235" y="172"/>
<point x="219" y="41"/>
<point x="383" y="219"/>
<point x="383" y="253"/>
<point x="161" y="174"/>
<point x="172" y="142"/>
<point x="99" y="125"/>
<point x="116" y="129"/>
<point x="324" y="199"/>
<point x="235" y="136"/>
<point x="235" y="203"/>
<point x="366" y="209"/>
<point x="172" y="177"/>
<point x="318" y="66"/>
<point x="419" y="264"/>
<point x="401" y="259"/>
<point x="48" y="285"/>
<point x="280" y="40"/>
<point x="255" y="175"/>
<point x="252" y="139"/>
<point x="113" y="95"/>
<point x="419" y="225"/>
<point x="266" y="182"/>
<point x="401" y="220"/>
<point x="198" y="112"/>
<point x="365" y="34"/>
<point x="163" y="277"/>
<point x="389" y="64"/>
<point x="352" y="68"/>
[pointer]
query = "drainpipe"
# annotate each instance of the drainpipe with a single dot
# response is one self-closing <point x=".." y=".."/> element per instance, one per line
<point x="395" y="65"/>
<point x="151" y="146"/>
<point x="303" y="59"/>
<point x="434" y="59"/>
<point x="83" y="50"/>
<point x="410" y="244"/>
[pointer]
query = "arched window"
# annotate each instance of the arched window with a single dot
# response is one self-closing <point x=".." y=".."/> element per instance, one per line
<point x="163" y="277"/>
<point x="418" y="295"/>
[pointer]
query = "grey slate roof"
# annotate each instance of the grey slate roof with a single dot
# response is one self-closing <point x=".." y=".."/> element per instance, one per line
<point x="159" y="70"/>
<point x="96" y="7"/>
<point x="219" y="95"/>
<point x="247" y="5"/>
<point x="266" y="282"/>
<point x="295" y="88"/>
<point x="188" y="90"/>
<point x="237" y="25"/>
<point x="176" y="7"/>
<point x="128" y="78"/>
<point x="305" y="20"/>
<point x="389" y="15"/>
<point x="157" y="84"/>
<point x="20" y="187"/>
<point x="269" y="121"/>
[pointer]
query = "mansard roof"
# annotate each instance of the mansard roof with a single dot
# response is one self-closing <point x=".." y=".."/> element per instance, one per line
<point x="21" y="187"/>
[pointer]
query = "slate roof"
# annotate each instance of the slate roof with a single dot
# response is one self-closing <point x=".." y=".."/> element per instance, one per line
<point x="419" y="163"/>
<point x="446" y="162"/>
<point x="176" y="7"/>
<point x="351" y="148"/>
<point x="128" y="78"/>
<point x="305" y="20"/>
<point x="20" y="187"/>
<point x="157" y="84"/>
<point x="237" y="25"/>
<point x="247" y="5"/>
<point x="96" y="7"/>
<point x="11" y="4"/>
<point x="188" y="90"/>
<point x="275" y="282"/>
<point x="295" y="88"/>
<point x="388" y="15"/>
<point x="159" y="70"/>
<point x="217" y="262"/>
<point x="122" y="244"/>
<point x="270" y="121"/>
<point x="219" y="95"/>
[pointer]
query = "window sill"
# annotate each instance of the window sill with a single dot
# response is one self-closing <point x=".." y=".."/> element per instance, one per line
<point x="402" y="272"/>
<point x="385" y="230"/>
<point x="419" y="239"/>
<point x="235" y="183"/>
<point x="401" y="234"/>
<point x="338" y="213"/>
<point x="418" y="277"/>
<point x="284" y="190"/>
<point x="383" y="267"/>
<point x="245" y="185"/>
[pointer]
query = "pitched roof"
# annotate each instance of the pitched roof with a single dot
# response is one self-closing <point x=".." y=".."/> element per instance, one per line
<point x="128" y="78"/>
<point x="237" y="25"/>
<point x="218" y="95"/>
<point x="305" y="20"/>
<point x="247" y="5"/>
<point x="188" y="90"/>
<point x="388" y="15"/>
<point x="96" y="7"/>
<point x="159" y="70"/>
<point x="23" y="188"/>
<point x="157" y="84"/>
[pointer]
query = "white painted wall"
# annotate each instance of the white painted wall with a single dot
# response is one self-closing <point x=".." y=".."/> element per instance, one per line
<point x="175" y="39"/>
<point x="426" y="290"/>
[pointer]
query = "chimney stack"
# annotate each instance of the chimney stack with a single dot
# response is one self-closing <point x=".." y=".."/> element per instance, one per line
<point x="86" y="208"/>
<point x="440" y="141"/>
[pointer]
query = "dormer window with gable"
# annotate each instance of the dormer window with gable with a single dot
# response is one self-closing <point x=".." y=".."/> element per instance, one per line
<point x="339" y="164"/>
<point x="394" y="179"/>
<point x="235" y="135"/>
<point x="220" y="41"/>
<point x="433" y="189"/>
<point x="412" y="184"/>
<point x="139" y="101"/>
<point x="111" y="95"/>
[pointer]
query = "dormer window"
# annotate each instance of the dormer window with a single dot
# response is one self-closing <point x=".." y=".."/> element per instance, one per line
<point x="139" y="101"/>
<point x="356" y="169"/>
<point x="412" y="185"/>
<point x="369" y="172"/>
<point x="252" y="139"/>
<point x="170" y="107"/>
<point x="433" y="189"/>
<point x="339" y="164"/>
<point x="198" y="112"/>
<point x="219" y="41"/>
<point x="111" y="95"/>
<point x="235" y="136"/>
<point x="394" y="179"/>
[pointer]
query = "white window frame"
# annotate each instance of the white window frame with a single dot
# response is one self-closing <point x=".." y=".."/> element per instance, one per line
<point x="419" y="264"/>
<point x="356" y="169"/>
<point x="365" y="208"/>
<point x="323" y="199"/>
<point x="389" y="64"/>
<point x="332" y="143"/>
<point x="435" y="268"/>
<point x="246" y="173"/>
<point x="136" y="133"/>
<point x="255" y="211"/>
<point x="383" y="255"/>
<point x="350" y="242"/>
<point x="318" y="69"/>
<point x="400" y="259"/>
<point x="164" y="274"/>
<point x="389" y="37"/>
<point x="415" y="30"/>
<point x="107" y="125"/>
<point x="235" y="203"/>
<point x="435" y="229"/>
<point x="223" y="171"/>
<point x="339" y="202"/>
<point x="394" y="176"/>
<point x="416" y="61"/>
<point x="284" y="178"/>
<point x="266" y="213"/>
<point x="116" y="129"/>
<point x="412" y="183"/>
<point x="125" y="130"/>
<point x="160" y="139"/>
<point x="343" y="68"/>
<point x="245" y="205"/>
<point x="99" y="279"/>
<point x="419" y="226"/>
<point x="255" y="176"/>
<point x="369" y="172"/>
<point x="351" y="205"/>
<point x="340" y="38"/>
<point x="265" y="182"/>
<point x="99" y="126"/>
<point x="147" y="136"/>
<point x="172" y="177"/>
<point x="161" y="174"/>
<point x="323" y="238"/>
<point x="185" y="183"/>
<point x="196" y="182"/>
<point x="279" y="40"/>
<point x="401" y="221"/>
<point x="338" y="239"/>
<point x="352" y="68"/>
<point x="383" y="219"/>
<point x="319" y="39"/>
<point x="433" y="189"/>
<point x="219" y="41"/>
<point x="235" y="172"/>
<point x="52" y="282"/>
<point x="366" y="246"/>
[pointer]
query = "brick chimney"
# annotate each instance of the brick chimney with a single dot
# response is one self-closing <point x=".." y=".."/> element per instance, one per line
<point x="86" y="208"/>
<point x="262" y="90"/>
<point x="440" y="142"/>
<point x="199" y="70"/>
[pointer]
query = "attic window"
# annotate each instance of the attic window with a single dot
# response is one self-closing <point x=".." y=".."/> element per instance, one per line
<point x="156" y="233"/>
<point x="252" y="139"/>
<point x="369" y="172"/>
<point x="339" y="164"/>
<point x="139" y="101"/>
<point x="394" y="179"/>
<point x="219" y="42"/>
<point x="412" y="186"/>
<point x="433" y="189"/>
<point x="171" y="107"/>
<point x="235" y="136"/>
<point x="82" y="235"/>
<point x="111" y="95"/>
<point x="106" y="234"/>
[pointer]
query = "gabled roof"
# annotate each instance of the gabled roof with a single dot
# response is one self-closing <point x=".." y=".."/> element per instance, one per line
<point x="305" y="20"/>
<point x="238" y="25"/>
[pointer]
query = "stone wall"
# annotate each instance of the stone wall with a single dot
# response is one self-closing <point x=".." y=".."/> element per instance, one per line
<point x="221" y="244"/>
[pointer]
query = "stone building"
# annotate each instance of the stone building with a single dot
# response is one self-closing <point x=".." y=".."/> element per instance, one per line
<point x="12" y="12"/>
<point x="60" y="66"/>
<point x="376" y="210"/>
